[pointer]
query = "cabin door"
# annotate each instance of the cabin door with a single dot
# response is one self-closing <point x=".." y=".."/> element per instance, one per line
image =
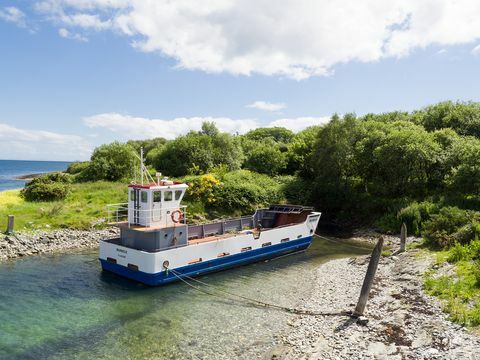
<point x="136" y="206"/>
<point x="157" y="206"/>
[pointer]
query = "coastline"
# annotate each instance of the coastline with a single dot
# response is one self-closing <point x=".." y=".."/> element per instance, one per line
<point x="25" y="244"/>
<point x="403" y="321"/>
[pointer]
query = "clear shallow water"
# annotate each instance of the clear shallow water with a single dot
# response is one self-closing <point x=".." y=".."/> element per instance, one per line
<point x="9" y="169"/>
<point x="64" y="307"/>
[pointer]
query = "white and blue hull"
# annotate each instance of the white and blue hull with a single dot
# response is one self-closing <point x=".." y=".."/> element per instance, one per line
<point x="205" y="257"/>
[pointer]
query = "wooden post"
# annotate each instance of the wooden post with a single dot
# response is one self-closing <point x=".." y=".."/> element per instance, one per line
<point x="368" y="281"/>
<point x="403" y="237"/>
<point x="11" y="221"/>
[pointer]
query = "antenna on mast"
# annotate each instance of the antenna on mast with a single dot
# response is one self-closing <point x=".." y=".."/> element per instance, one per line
<point x="141" y="165"/>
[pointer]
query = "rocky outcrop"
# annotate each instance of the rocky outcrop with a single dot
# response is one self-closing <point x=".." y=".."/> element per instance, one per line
<point x="24" y="244"/>
<point x="402" y="322"/>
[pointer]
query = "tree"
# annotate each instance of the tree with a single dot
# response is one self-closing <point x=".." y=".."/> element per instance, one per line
<point x="463" y="117"/>
<point x="112" y="162"/>
<point x="265" y="158"/>
<point x="277" y="134"/>
<point x="199" y="152"/>
<point x="300" y="150"/>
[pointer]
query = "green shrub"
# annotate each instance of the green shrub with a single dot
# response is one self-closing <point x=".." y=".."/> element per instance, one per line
<point x="415" y="214"/>
<point x="77" y="167"/>
<point x="451" y="225"/>
<point x="50" y="187"/>
<point x="244" y="191"/>
<point x="388" y="223"/>
<point x="458" y="253"/>
<point x="202" y="188"/>
<point x="111" y="162"/>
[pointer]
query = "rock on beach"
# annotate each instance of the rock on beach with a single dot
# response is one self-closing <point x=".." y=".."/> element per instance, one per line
<point x="403" y="321"/>
<point x="24" y="244"/>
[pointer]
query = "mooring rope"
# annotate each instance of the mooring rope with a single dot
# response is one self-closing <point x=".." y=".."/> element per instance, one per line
<point x="253" y="302"/>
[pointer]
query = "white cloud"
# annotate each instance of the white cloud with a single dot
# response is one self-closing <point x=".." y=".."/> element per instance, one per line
<point x="18" y="143"/>
<point x="64" y="33"/>
<point x="292" y="38"/>
<point x="13" y="15"/>
<point x="300" y="123"/>
<point x="129" y="127"/>
<point x="476" y="50"/>
<point x="267" y="106"/>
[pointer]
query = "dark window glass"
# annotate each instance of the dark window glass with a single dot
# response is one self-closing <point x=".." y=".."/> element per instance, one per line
<point x="167" y="196"/>
<point x="144" y="196"/>
<point x="178" y="193"/>
<point x="132" y="195"/>
<point x="157" y="196"/>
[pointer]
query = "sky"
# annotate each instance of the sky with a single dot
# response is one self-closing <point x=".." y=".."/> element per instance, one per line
<point x="75" y="74"/>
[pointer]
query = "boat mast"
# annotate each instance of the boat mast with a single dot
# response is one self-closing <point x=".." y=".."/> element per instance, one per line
<point x="141" y="165"/>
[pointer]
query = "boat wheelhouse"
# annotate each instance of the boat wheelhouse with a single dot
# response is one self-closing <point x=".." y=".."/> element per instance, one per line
<point x="155" y="237"/>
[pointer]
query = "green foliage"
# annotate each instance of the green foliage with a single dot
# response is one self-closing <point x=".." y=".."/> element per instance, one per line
<point x="265" y="157"/>
<point x="203" y="188"/>
<point x="198" y="153"/>
<point x="300" y="151"/>
<point x="244" y="191"/>
<point x="277" y="134"/>
<point x="451" y="225"/>
<point x="388" y="222"/>
<point x="77" y="167"/>
<point x="83" y="207"/>
<point x="415" y="214"/>
<point x="461" y="294"/>
<point x="151" y="147"/>
<point x="50" y="187"/>
<point x="111" y="162"/>
<point x="463" y="117"/>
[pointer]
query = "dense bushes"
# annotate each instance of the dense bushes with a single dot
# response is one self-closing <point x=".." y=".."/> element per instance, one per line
<point x="451" y="225"/>
<point x="199" y="152"/>
<point x="111" y="162"/>
<point x="50" y="187"/>
<point x="244" y="191"/>
<point x="237" y="192"/>
<point x="77" y="167"/>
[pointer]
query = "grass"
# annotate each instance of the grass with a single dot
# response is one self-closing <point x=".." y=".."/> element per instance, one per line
<point x="461" y="290"/>
<point x="83" y="208"/>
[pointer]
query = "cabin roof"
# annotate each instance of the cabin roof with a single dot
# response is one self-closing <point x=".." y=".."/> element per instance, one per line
<point x="175" y="185"/>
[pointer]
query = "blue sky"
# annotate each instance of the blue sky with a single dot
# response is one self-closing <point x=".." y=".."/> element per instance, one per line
<point x="78" y="73"/>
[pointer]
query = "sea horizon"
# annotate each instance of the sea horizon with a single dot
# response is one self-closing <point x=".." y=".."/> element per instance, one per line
<point x="11" y="169"/>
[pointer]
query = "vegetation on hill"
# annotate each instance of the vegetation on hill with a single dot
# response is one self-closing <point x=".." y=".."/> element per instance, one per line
<point x="420" y="167"/>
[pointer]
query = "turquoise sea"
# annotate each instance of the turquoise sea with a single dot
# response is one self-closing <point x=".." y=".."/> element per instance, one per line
<point x="9" y="169"/>
<point x="64" y="307"/>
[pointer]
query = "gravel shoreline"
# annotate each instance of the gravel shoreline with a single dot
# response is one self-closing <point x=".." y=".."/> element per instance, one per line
<point x="25" y="244"/>
<point x="403" y="322"/>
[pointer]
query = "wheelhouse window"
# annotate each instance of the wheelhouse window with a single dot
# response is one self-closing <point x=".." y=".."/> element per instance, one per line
<point x="167" y="196"/>
<point x="157" y="196"/>
<point x="132" y="195"/>
<point x="178" y="194"/>
<point x="144" y="196"/>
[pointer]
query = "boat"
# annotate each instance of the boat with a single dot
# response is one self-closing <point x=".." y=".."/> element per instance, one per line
<point x="157" y="246"/>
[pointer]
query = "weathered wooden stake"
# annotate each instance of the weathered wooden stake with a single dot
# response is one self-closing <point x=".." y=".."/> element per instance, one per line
<point x="368" y="281"/>
<point x="403" y="237"/>
<point x="11" y="221"/>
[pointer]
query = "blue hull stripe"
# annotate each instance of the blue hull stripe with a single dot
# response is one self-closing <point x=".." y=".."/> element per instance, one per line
<point x="204" y="267"/>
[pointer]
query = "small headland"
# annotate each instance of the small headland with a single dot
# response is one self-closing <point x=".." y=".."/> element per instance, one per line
<point x="29" y="177"/>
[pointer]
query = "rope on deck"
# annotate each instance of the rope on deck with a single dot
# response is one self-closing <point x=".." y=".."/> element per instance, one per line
<point x="252" y="302"/>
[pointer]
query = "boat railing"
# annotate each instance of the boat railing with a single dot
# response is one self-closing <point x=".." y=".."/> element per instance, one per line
<point x="123" y="214"/>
